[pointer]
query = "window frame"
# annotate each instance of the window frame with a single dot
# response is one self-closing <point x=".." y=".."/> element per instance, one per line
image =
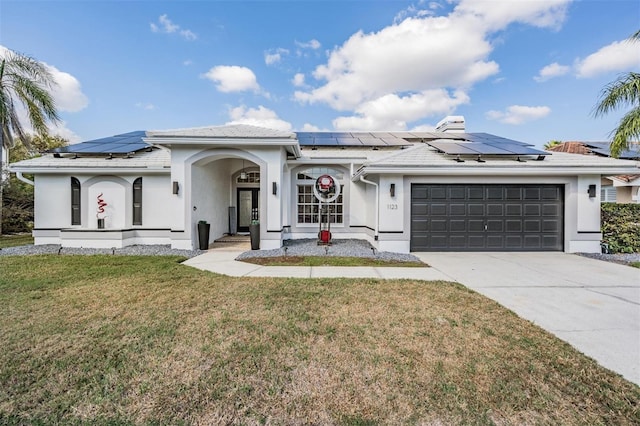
<point x="76" y="201"/>
<point x="306" y="205"/>
<point x="136" y="198"/>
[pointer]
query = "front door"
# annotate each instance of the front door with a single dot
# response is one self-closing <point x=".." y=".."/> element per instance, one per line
<point x="248" y="207"/>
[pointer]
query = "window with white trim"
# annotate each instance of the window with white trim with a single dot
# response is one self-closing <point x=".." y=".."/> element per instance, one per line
<point x="307" y="204"/>
<point x="249" y="177"/>
<point x="137" y="201"/>
<point x="608" y="194"/>
<point x="75" y="201"/>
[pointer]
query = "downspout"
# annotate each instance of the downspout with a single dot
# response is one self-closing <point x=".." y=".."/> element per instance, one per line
<point x="362" y="179"/>
<point x="24" y="179"/>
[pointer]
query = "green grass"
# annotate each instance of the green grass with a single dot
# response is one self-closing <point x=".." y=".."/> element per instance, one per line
<point x="328" y="261"/>
<point x="15" y="240"/>
<point x="144" y="340"/>
<point x="635" y="264"/>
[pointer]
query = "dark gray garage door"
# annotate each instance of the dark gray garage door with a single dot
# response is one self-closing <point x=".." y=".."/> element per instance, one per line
<point x="487" y="217"/>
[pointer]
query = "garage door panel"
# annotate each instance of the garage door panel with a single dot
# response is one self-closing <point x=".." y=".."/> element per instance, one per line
<point x="476" y="225"/>
<point x="495" y="225"/>
<point x="440" y="225"/>
<point x="438" y="209"/>
<point x="457" y="193"/>
<point x="532" y="210"/>
<point x="513" y="193"/>
<point x="458" y="225"/>
<point x="495" y="210"/>
<point x="458" y="209"/>
<point x="476" y="209"/>
<point x="513" y="209"/>
<point x="475" y="192"/>
<point x="513" y="225"/>
<point x="487" y="217"/>
<point x="495" y="242"/>
<point x="495" y="193"/>
<point x="532" y="226"/>
<point x="550" y="193"/>
<point x="532" y="193"/>
<point x="438" y="193"/>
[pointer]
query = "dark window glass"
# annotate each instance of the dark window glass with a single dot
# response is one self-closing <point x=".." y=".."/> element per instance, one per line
<point x="75" y="201"/>
<point x="137" y="201"/>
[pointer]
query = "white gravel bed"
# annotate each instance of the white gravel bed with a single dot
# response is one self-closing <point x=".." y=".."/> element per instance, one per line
<point x="624" y="258"/>
<point x="347" y="248"/>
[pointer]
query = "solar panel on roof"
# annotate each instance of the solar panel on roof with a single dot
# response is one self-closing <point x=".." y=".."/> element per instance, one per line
<point x="452" y="148"/>
<point x="481" y="148"/>
<point x="118" y="144"/>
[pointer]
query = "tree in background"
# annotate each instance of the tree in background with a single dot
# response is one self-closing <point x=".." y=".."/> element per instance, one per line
<point x="551" y="144"/>
<point x="18" y="196"/>
<point x="625" y="90"/>
<point x="23" y="82"/>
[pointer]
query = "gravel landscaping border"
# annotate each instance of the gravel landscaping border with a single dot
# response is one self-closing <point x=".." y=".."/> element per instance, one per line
<point x="338" y="248"/>
<point x="303" y="247"/>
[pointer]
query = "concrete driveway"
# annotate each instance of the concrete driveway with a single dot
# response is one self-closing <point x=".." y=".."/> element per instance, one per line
<point x="591" y="304"/>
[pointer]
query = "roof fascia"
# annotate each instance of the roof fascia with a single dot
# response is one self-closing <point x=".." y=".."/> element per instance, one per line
<point x="288" y="143"/>
<point x="85" y="169"/>
<point x="493" y="171"/>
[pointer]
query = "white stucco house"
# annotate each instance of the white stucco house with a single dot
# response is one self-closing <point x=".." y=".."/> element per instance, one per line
<point x="446" y="190"/>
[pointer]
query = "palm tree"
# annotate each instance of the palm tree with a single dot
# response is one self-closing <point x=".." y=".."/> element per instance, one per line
<point x="27" y="82"/>
<point x="552" y="143"/>
<point x="624" y="90"/>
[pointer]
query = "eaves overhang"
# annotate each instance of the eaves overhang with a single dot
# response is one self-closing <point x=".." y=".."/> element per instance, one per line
<point x="91" y="169"/>
<point x="291" y="145"/>
<point x="484" y="170"/>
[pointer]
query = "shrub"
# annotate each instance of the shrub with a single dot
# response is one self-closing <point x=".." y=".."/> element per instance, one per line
<point x="621" y="227"/>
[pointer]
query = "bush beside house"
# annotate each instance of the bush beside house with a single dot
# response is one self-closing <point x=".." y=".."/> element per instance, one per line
<point x="621" y="227"/>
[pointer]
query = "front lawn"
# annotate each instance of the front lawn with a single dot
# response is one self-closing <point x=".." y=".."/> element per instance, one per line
<point x="15" y="240"/>
<point x="115" y="339"/>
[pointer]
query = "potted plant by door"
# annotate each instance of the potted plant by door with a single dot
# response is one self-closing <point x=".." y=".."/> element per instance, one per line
<point x="203" y="234"/>
<point x="254" y="233"/>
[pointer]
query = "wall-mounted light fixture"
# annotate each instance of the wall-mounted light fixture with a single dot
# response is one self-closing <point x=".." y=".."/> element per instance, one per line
<point x="274" y="188"/>
<point x="243" y="174"/>
<point x="176" y="187"/>
<point x="392" y="190"/>
<point x="592" y="191"/>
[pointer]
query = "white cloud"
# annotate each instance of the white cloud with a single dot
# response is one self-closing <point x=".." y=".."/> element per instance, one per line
<point x="232" y="78"/>
<point x="146" y="106"/>
<point x="551" y="71"/>
<point x="261" y="116"/>
<point x="68" y="92"/>
<point x="423" y="128"/>
<point x="617" y="56"/>
<point x="419" y="55"/>
<point x="393" y="112"/>
<point x="311" y="44"/>
<point x="496" y="15"/>
<point x="165" y="26"/>
<point x="307" y="127"/>
<point x="274" y="56"/>
<point x="298" y="80"/>
<point x="518" y="114"/>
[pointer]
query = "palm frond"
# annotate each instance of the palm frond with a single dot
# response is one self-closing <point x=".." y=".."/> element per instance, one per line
<point x="623" y="91"/>
<point x="628" y="130"/>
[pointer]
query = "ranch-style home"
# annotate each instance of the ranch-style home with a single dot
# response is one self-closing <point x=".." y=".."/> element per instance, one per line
<point x="447" y="190"/>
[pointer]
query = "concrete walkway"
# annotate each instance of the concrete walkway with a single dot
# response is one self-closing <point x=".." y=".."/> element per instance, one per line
<point x="221" y="261"/>
<point x="591" y="304"/>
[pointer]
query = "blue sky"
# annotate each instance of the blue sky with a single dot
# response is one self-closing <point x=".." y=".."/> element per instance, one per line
<point x="526" y="70"/>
